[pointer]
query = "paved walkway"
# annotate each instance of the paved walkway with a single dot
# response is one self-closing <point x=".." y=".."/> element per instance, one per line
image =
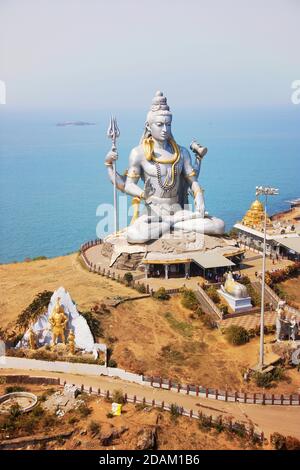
<point x="282" y="419"/>
<point x="250" y="321"/>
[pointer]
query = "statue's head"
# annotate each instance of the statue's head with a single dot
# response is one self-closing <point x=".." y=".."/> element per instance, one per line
<point x="159" y="119"/>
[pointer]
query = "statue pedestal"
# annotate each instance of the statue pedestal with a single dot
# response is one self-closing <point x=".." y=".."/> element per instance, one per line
<point x="237" y="305"/>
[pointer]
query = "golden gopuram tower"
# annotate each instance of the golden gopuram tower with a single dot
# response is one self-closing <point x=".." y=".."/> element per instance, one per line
<point x="254" y="217"/>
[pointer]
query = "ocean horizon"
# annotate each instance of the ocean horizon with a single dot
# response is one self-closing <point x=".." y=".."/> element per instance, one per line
<point x="52" y="178"/>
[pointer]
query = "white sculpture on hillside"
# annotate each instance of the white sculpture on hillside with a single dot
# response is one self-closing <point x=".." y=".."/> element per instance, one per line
<point x="235" y="294"/>
<point x="234" y="288"/>
<point x="75" y="322"/>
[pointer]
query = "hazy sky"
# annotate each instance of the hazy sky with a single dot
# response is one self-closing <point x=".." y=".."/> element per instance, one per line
<point x="116" y="53"/>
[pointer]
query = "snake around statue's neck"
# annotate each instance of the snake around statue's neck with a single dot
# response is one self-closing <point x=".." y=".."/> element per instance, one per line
<point x="148" y="146"/>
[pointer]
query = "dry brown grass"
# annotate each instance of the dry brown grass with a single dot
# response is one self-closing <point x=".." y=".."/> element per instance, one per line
<point x="291" y="287"/>
<point x="20" y="282"/>
<point x="147" y="336"/>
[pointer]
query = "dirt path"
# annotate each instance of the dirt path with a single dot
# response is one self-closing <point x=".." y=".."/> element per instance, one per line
<point x="282" y="419"/>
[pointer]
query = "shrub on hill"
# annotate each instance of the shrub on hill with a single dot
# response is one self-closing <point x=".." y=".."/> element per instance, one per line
<point x="281" y="442"/>
<point x="118" y="397"/>
<point x="112" y="363"/>
<point x="141" y="288"/>
<point x="213" y="294"/>
<point x="236" y="335"/>
<point x="255" y="297"/>
<point x="34" y="310"/>
<point x="161" y="294"/>
<point x="94" y="323"/>
<point x="128" y="278"/>
<point x="189" y="299"/>
<point x="283" y="274"/>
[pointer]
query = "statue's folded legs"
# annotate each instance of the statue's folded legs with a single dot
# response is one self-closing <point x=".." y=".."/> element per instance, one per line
<point x="161" y="220"/>
<point x="207" y="225"/>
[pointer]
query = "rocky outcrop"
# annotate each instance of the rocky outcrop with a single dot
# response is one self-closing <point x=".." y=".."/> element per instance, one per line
<point x="106" y="439"/>
<point x="147" y="439"/>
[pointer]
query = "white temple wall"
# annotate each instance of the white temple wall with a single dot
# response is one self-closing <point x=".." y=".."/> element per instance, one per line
<point x="7" y="362"/>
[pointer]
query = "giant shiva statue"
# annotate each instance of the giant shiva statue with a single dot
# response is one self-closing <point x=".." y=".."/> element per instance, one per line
<point x="168" y="175"/>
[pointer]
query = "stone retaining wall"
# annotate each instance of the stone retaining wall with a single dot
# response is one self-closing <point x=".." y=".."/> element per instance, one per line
<point x="27" y="379"/>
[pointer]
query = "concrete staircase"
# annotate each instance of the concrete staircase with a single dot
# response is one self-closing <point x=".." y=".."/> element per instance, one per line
<point x="208" y="305"/>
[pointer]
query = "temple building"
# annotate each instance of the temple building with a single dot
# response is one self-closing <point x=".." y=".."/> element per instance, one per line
<point x="254" y="217"/>
<point x="282" y="237"/>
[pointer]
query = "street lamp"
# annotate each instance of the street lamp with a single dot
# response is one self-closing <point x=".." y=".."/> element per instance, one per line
<point x="263" y="191"/>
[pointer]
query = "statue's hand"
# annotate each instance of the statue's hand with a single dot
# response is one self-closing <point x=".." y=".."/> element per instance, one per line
<point x="111" y="157"/>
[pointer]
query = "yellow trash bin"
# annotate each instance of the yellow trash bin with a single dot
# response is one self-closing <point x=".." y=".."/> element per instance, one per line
<point x="116" y="409"/>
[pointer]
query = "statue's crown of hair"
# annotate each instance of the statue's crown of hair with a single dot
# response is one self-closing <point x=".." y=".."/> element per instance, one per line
<point x="159" y="103"/>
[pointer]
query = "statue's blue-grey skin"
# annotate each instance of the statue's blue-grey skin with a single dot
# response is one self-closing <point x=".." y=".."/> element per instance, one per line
<point x="168" y="174"/>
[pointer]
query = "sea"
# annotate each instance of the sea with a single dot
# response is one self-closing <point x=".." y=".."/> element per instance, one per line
<point x="53" y="178"/>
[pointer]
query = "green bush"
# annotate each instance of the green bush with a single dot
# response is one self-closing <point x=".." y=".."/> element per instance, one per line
<point x="34" y="310"/>
<point x="218" y="425"/>
<point x="118" y="397"/>
<point x="199" y="312"/>
<point x="112" y="363"/>
<point x="224" y="309"/>
<point x="94" y="324"/>
<point x="84" y="410"/>
<point x="38" y="411"/>
<point x="205" y="422"/>
<point x="94" y="427"/>
<point x="213" y="294"/>
<point x="175" y="411"/>
<point x="161" y="294"/>
<point x="281" y="442"/>
<point x="109" y="415"/>
<point x="208" y="322"/>
<point x="15" y="410"/>
<point x="141" y="288"/>
<point x="263" y="379"/>
<point x="239" y="429"/>
<point x="278" y="374"/>
<point x="128" y="278"/>
<point x="189" y="299"/>
<point x="278" y="441"/>
<point x="255" y="297"/>
<point x="236" y="335"/>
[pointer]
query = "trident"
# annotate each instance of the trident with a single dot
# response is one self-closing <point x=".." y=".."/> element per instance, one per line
<point x="113" y="133"/>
